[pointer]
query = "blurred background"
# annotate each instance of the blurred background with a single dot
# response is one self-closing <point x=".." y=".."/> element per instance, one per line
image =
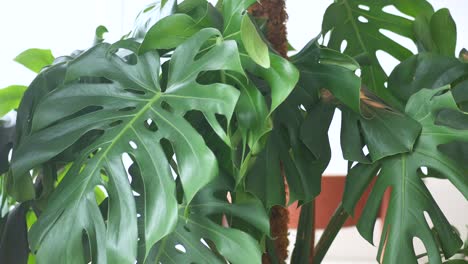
<point x="65" y="25"/>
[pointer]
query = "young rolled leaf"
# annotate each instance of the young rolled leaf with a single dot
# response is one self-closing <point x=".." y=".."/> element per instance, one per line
<point x="410" y="198"/>
<point x="132" y="113"/>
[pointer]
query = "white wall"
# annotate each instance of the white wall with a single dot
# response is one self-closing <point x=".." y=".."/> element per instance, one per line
<point x="66" y="25"/>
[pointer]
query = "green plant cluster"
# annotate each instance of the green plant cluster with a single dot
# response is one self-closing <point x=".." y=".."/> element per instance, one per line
<point x="169" y="146"/>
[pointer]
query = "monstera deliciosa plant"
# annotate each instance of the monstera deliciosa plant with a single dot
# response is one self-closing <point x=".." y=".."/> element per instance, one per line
<point x="176" y="143"/>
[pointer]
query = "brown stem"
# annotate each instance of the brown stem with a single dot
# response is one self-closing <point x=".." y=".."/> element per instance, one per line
<point x="275" y="13"/>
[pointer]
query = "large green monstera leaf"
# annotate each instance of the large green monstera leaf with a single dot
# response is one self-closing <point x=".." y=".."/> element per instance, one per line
<point x="442" y="123"/>
<point x="133" y="114"/>
<point x="360" y="23"/>
<point x="202" y="238"/>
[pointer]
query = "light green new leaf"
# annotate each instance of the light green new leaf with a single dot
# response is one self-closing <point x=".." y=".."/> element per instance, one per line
<point x="253" y="43"/>
<point x="10" y="97"/>
<point x="360" y="24"/>
<point x="35" y="59"/>
<point x="133" y="114"/>
<point x="409" y="196"/>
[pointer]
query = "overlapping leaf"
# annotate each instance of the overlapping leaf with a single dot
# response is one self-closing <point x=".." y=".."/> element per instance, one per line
<point x="133" y="114"/>
<point x="360" y="24"/>
<point x="410" y="198"/>
<point x="201" y="238"/>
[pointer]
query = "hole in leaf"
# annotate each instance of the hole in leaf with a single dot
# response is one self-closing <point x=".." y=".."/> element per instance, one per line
<point x="387" y="61"/>
<point x="133" y="145"/>
<point x="127" y="109"/>
<point x="203" y="241"/>
<point x="390" y="9"/>
<point x="365" y="150"/>
<point x="136" y="91"/>
<point x="364" y="7"/>
<point x="174" y="167"/>
<point x="180" y="248"/>
<point x="10" y="154"/>
<point x="358" y="72"/>
<point x="344" y="45"/>
<point x="100" y="193"/>
<point x="418" y="246"/>
<point x="167" y="107"/>
<point x="424" y="170"/>
<point x="363" y="19"/>
<point x="428" y="219"/>
<point x="302" y="107"/>
<point x="115" y="123"/>
<point x="127" y="162"/>
<point x="209" y="77"/>
<point x="402" y="40"/>
<point x="326" y="38"/>
<point x="151" y="125"/>
<point x="104" y="176"/>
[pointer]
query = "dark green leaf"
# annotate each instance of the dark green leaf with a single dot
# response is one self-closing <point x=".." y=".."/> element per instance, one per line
<point x="201" y="238"/>
<point x="409" y="196"/>
<point x="427" y="70"/>
<point x="327" y="69"/>
<point x="444" y="32"/>
<point x="133" y="109"/>
<point x="384" y="131"/>
<point x="35" y="59"/>
<point x="14" y="246"/>
<point x="169" y="32"/>
<point x="361" y="28"/>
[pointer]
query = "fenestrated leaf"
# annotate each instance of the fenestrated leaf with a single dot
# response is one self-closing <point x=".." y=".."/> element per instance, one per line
<point x="35" y="59"/>
<point x="329" y="70"/>
<point x="360" y="22"/>
<point x="10" y="98"/>
<point x="412" y="75"/>
<point x="151" y="15"/>
<point x="134" y="115"/>
<point x="201" y="238"/>
<point x="409" y="196"/>
<point x="253" y="43"/>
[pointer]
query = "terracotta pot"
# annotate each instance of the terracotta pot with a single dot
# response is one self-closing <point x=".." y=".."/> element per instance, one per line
<point x="328" y="201"/>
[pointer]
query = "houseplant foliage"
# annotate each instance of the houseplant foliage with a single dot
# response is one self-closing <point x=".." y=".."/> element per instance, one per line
<point x="173" y="144"/>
